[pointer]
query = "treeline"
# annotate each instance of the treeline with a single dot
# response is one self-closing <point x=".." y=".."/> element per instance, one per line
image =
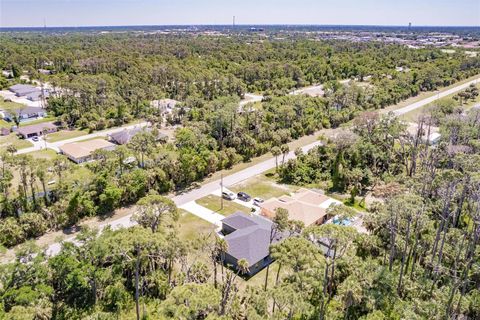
<point x="110" y="79"/>
<point x="215" y="136"/>
<point x="418" y="260"/>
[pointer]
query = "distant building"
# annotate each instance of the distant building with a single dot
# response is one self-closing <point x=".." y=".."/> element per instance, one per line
<point x="165" y="106"/>
<point x="124" y="136"/>
<point x="36" y="130"/>
<point x="38" y="95"/>
<point x="26" y="113"/>
<point x="80" y="152"/>
<point x="307" y="206"/>
<point x="23" y="89"/>
<point x="248" y="237"/>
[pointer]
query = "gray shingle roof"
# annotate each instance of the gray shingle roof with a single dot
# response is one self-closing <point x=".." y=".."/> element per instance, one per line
<point x="251" y="239"/>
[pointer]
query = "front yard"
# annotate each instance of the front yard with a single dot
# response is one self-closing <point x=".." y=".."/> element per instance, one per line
<point x="13" y="139"/>
<point x="214" y="203"/>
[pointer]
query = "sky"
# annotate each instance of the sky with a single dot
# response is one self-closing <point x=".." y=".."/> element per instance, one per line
<point x="33" y="13"/>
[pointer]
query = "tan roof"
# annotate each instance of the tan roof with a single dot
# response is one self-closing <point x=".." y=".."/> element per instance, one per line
<point x="85" y="148"/>
<point x="36" y="128"/>
<point x="302" y="206"/>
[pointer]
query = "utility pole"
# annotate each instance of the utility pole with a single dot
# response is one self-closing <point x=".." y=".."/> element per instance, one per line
<point x="221" y="195"/>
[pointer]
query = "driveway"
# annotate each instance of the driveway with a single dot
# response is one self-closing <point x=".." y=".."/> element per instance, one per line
<point x="203" y="213"/>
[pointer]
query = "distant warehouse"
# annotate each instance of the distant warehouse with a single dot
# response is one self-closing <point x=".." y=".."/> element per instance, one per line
<point x="80" y="152"/>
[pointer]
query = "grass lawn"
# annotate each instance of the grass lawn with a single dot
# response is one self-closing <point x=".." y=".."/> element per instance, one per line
<point x="5" y="124"/>
<point x="43" y="154"/>
<point x="263" y="187"/>
<point x="13" y="139"/>
<point x="191" y="226"/>
<point x="10" y="105"/>
<point x="214" y="203"/>
<point x="41" y="120"/>
<point x="65" y="134"/>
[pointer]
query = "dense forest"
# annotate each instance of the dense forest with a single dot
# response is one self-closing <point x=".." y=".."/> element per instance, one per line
<point x="419" y="259"/>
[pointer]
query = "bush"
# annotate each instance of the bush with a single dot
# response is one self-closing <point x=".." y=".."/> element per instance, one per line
<point x="11" y="233"/>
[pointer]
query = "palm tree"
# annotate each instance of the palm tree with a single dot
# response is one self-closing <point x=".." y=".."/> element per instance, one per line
<point x="285" y="149"/>
<point x="41" y="173"/>
<point x="276" y="152"/>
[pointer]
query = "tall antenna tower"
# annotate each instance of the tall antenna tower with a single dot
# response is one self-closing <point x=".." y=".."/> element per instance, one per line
<point x="234" y="21"/>
<point x="45" y="23"/>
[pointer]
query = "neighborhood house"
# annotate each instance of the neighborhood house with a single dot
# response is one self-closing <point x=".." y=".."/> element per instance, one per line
<point x="23" y="114"/>
<point x="165" y="106"/>
<point x="36" y="130"/>
<point x="307" y="206"/>
<point x="80" y="152"/>
<point x="124" y="136"/>
<point x="248" y="237"/>
<point x="32" y="93"/>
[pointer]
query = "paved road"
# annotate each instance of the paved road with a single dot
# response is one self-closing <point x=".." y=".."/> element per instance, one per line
<point x="440" y="95"/>
<point x="187" y="198"/>
<point x="56" y="145"/>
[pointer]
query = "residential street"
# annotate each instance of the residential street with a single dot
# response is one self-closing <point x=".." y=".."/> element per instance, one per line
<point x="187" y="199"/>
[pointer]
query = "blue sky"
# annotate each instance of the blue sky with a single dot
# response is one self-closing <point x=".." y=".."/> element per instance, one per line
<point x="18" y="13"/>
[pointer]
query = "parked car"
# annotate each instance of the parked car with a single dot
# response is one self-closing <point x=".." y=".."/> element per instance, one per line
<point x="229" y="195"/>
<point x="35" y="138"/>
<point x="244" y="196"/>
<point x="258" y="201"/>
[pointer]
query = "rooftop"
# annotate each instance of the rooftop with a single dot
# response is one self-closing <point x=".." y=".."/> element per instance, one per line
<point x="305" y="205"/>
<point x="35" y="128"/>
<point x="85" y="148"/>
<point x="251" y="238"/>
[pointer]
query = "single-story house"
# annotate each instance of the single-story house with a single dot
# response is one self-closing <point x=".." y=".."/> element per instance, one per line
<point x="124" y="136"/>
<point x="248" y="237"/>
<point x="23" y="89"/>
<point x="38" y="95"/>
<point x="25" y="113"/>
<point x="82" y="151"/>
<point x="307" y="206"/>
<point x="36" y="130"/>
<point x="165" y="106"/>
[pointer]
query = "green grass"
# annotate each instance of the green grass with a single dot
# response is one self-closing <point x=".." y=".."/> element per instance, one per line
<point x="9" y="105"/>
<point x="5" y="124"/>
<point x="214" y="203"/>
<point x="13" y="139"/>
<point x="191" y="226"/>
<point x="263" y="187"/>
<point x="41" y="120"/>
<point x="43" y="154"/>
<point x="65" y="134"/>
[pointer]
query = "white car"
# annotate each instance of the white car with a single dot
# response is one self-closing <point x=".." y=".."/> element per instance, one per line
<point x="257" y="201"/>
<point x="229" y="195"/>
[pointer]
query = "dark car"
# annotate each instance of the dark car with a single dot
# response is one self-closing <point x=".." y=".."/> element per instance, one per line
<point x="243" y="196"/>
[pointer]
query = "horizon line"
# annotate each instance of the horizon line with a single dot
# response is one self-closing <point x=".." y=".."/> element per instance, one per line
<point x="238" y="25"/>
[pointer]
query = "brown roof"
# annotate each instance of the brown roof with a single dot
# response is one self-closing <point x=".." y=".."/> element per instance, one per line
<point x="85" y="148"/>
<point x="302" y="206"/>
<point x="36" y="128"/>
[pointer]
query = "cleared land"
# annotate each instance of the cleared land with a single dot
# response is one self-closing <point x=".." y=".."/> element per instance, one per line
<point x="12" y="139"/>
<point x="214" y="203"/>
<point x="65" y="134"/>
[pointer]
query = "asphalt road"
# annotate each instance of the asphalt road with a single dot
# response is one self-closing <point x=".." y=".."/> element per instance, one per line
<point x="440" y="95"/>
<point x="244" y="174"/>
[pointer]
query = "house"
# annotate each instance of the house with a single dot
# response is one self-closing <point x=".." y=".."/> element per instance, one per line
<point x="124" y="136"/>
<point x="38" y="95"/>
<point x="165" y="106"/>
<point x="80" y="152"/>
<point x="23" y="89"/>
<point x="307" y="206"/>
<point x="25" y="113"/>
<point x="248" y="237"/>
<point x="36" y="130"/>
